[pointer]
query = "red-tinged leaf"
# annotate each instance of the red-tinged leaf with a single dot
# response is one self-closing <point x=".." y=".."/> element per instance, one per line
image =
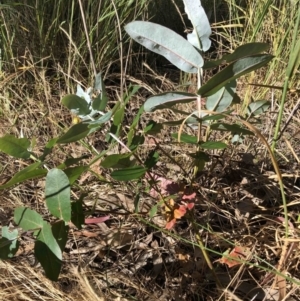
<point x="171" y="224"/>
<point x="235" y="257"/>
<point x="167" y="187"/>
<point x="189" y="197"/>
<point x="96" y="220"/>
<point x="190" y="206"/>
<point x="180" y="212"/>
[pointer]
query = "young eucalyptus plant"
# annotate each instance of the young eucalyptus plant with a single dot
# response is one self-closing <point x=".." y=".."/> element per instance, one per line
<point x="219" y="91"/>
<point x="90" y="106"/>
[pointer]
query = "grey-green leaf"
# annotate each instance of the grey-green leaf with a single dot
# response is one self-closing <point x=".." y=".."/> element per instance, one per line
<point x="75" y="133"/>
<point x="16" y="147"/>
<point x="28" y="219"/>
<point x="246" y="50"/>
<point x="76" y="104"/>
<point x="167" y="43"/>
<point x="233" y="71"/>
<point x="223" y="98"/>
<point x="30" y="172"/>
<point x="200" y="22"/>
<point x="45" y="235"/>
<point x="58" y="194"/>
<point x="50" y="263"/>
<point x="99" y="103"/>
<point x="8" y="243"/>
<point x="167" y="100"/>
<point x="213" y="145"/>
<point x="128" y="174"/>
<point x="258" y="107"/>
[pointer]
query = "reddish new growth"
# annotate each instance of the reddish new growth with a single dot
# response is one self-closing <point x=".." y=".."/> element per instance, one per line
<point x="173" y="210"/>
<point x="237" y="256"/>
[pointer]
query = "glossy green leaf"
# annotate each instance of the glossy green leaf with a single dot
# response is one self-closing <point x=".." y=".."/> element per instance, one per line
<point x="119" y="116"/>
<point x="75" y="133"/>
<point x="60" y="232"/>
<point x="167" y="43"/>
<point x="8" y="243"/>
<point x="77" y="217"/>
<point x="100" y="102"/>
<point x="128" y="174"/>
<point x="58" y="194"/>
<point x="190" y="121"/>
<point x="233" y="71"/>
<point x="223" y="98"/>
<point x="137" y="118"/>
<point x="30" y="172"/>
<point x="200" y="156"/>
<point x="76" y="104"/>
<point x="186" y="138"/>
<point x="136" y="141"/>
<point x="233" y="128"/>
<point x="28" y="219"/>
<point x="73" y="173"/>
<point x="202" y="30"/>
<point x="213" y="145"/>
<point x="116" y="160"/>
<point x="258" y="107"/>
<point x="245" y="50"/>
<point x="131" y="91"/>
<point x="49" y="261"/>
<point x="153" y="128"/>
<point x="167" y="100"/>
<point x="152" y="159"/>
<point x="240" y="52"/>
<point x="45" y="235"/>
<point x="15" y="147"/>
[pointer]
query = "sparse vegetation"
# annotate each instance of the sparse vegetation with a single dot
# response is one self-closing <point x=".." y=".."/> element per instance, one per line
<point x="160" y="182"/>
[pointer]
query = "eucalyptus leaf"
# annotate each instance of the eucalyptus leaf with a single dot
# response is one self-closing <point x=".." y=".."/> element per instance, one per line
<point x="97" y="122"/>
<point x="100" y="102"/>
<point x="186" y="138"/>
<point x="60" y="232"/>
<point x="233" y="71"/>
<point x="58" y="194"/>
<point x="258" y="107"/>
<point x="76" y="104"/>
<point x="75" y="133"/>
<point x="16" y="147"/>
<point x="213" y="145"/>
<point x="45" y="235"/>
<point x="245" y="50"/>
<point x="199" y="38"/>
<point x="8" y="243"/>
<point x="223" y="98"/>
<point x="28" y="219"/>
<point x="167" y="43"/>
<point x="114" y="159"/>
<point x="242" y="51"/>
<point x="73" y="173"/>
<point x="77" y="217"/>
<point x="233" y="128"/>
<point x="30" y="172"/>
<point x="128" y="174"/>
<point x="167" y="100"/>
